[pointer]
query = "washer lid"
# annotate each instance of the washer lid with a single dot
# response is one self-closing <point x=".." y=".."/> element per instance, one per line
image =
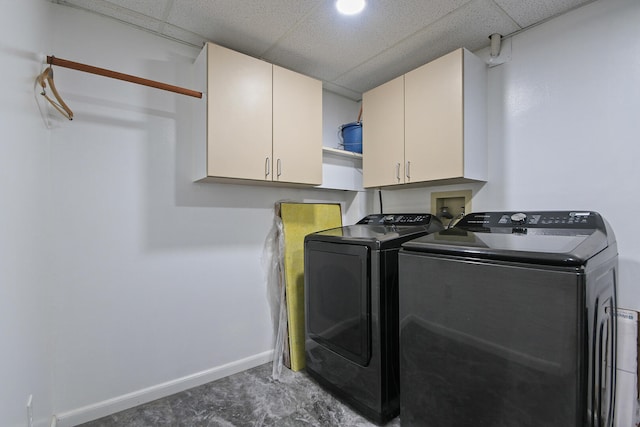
<point x="538" y="237"/>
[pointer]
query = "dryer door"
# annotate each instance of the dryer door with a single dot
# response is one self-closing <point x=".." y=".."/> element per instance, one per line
<point x="337" y="296"/>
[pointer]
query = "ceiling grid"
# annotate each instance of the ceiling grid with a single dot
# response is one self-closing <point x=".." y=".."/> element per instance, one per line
<point x="350" y="54"/>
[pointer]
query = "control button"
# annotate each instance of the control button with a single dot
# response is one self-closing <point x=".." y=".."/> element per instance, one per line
<point x="519" y="218"/>
<point x="534" y="219"/>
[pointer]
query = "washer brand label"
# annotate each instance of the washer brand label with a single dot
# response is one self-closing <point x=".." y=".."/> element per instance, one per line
<point x="627" y="314"/>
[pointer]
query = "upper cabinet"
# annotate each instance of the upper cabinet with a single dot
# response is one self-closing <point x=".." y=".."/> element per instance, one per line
<point x="239" y="114"/>
<point x="428" y="126"/>
<point x="259" y="122"/>
<point x="383" y="135"/>
<point x="297" y="127"/>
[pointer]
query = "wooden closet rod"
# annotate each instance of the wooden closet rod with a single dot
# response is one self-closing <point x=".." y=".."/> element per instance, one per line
<point x="120" y="76"/>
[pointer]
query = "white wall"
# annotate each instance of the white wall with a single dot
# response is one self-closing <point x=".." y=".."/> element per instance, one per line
<point x="156" y="282"/>
<point x="564" y="126"/>
<point x="25" y="311"/>
<point x="159" y="283"/>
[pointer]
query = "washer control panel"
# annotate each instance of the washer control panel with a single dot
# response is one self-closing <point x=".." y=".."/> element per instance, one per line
<point x="540" y="219"/>
<point x="397" y="219"/>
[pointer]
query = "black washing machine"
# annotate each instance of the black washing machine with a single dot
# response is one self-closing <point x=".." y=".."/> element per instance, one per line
<point x="508" y="319"/>
<point x="351" y="309"/>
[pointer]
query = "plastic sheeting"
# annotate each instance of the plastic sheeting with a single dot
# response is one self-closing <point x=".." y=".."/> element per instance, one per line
<point x="273" y="263"/>
<point x="284" y="264"/>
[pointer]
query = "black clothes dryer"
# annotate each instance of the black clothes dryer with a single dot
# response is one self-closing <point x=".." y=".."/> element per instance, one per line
<point x="351" y="309"/>
<point x="508" y="319"/>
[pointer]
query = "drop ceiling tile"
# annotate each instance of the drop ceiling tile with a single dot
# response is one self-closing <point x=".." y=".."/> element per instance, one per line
<point x="349" y="54"/>
<point x="527" y="13"/>
<point x="152" y="8"/>
<point x="347" y="93"/>
<point x="183" y="35"/>
<point x="327" y="44"/>
<point x="250" y="26"/>
<point x="111" y="10"/>
<point x="469" y="27"/>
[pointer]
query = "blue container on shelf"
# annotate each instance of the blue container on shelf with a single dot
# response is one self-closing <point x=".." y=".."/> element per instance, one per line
<point x="351" y="135"/>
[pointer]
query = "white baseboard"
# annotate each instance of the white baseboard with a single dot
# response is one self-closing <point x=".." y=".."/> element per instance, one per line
<point x="126" y="401"/>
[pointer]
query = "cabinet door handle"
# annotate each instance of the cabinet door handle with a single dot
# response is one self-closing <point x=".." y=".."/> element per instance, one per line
<point x="398" y="171"/>
<point x="408" y="170"/>
<point x="279" y="165"/>
<point x="267" y="167"/>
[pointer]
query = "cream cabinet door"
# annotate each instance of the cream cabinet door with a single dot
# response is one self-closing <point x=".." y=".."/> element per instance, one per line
<point x="239" y="112"/>
<point x="383" y="135"/>
<point x="297" y="127"/>
<point x="434" y="120"/>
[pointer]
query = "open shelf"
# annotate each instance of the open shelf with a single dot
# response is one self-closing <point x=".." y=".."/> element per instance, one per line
<point x="341" y="169"/>
<point x="343" y="153"/>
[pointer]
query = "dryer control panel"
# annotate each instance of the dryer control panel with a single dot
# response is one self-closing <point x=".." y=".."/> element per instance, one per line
<point x="397" y="219"/>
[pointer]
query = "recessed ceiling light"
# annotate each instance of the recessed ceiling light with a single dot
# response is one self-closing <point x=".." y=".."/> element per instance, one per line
<point x="350" y="7"/>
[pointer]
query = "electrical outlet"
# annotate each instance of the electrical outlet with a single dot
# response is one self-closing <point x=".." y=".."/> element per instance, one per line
<point x="30" y="411"/>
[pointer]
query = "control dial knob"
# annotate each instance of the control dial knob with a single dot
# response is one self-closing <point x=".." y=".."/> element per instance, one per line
<point x="519" y="218"/>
